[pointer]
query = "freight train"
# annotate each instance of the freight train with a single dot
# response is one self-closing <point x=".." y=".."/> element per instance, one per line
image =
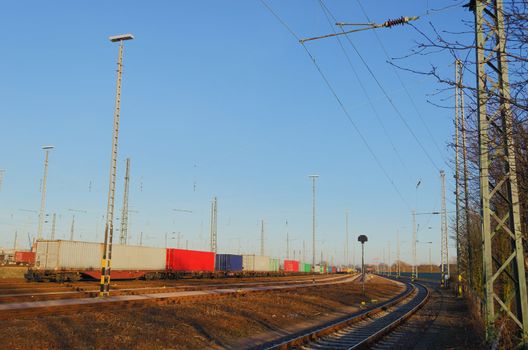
<point x="62" y="260"/>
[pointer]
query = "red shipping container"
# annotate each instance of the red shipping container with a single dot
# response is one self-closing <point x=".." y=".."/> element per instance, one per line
<point x="334" y="269"/>
<point x="291" y="266"/>
<point x="27" y="258"/>
<point x="189" y="260"/>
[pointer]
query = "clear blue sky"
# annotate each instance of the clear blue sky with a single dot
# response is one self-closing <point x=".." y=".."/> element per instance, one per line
<point x="219" y="94"/>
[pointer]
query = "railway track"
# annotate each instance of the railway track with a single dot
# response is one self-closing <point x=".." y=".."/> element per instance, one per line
<point x="35" y="292"/>
<point x="25" y="309"/>
<point x="362" y="329"/>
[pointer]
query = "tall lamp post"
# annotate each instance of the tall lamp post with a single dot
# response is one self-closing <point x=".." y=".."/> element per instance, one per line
<point x="43" y="192"/>
<point x="362" y="239"/>
<point x="109" y="227"/>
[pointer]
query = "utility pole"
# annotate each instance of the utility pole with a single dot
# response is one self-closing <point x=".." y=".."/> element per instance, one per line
<point x="16" y="240"/>
<point x="214" y="226"/>
<point x="383" y="263"/>
<point x="53" y="226"/>
<point x="123" y="236"/>
<point x="414" y="273"/>
<point x="288" y="242"/>
<point x="347" y="260"/>
<point x="262" y="238"/>
<point x="313" y="177"/>
<point x="304" y="252"/>
<point x="497" y="149"/>
<point x="104" y="289"/>
<point x="430" y="262"/>
<point x="444" y="240"/>
<point x="43" y="192"/>
<point x="72" y="228"/>
<point x="398" y="253"/>
<point x="389" y="261"/>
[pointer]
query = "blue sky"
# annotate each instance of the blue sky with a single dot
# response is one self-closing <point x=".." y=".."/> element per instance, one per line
<point x="219" y="94"/>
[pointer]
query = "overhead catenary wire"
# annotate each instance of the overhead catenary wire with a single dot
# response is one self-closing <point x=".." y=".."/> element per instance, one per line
<point x="387" y="96"/>
<point x="339" y="101"/>
<point x="367" y="95"/>
<point x="404" y="86"/>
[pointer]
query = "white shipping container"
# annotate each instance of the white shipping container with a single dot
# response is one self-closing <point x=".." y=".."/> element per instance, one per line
<point x="75" y="255"/>
<point x="68" y="255"/>
<point x="255" y="263"/>
<point x="129" y="257"/>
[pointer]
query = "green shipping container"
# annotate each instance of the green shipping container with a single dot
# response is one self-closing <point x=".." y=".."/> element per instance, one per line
<point x="307" y="267"/>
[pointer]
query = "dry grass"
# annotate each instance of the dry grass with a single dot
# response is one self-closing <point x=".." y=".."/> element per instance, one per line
<point x="216" y="323"/>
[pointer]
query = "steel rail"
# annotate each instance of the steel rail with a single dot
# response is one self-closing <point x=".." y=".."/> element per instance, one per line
<point x="360" y="329"/>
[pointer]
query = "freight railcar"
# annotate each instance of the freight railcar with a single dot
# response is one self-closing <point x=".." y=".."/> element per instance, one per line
<point x="62" y="260"/>
<point x="59" y="260"/>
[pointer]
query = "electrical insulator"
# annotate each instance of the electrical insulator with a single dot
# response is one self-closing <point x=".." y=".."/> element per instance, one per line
<point x="393" y="22"/>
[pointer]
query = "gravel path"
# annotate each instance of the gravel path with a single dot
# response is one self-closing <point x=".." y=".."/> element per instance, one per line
<point x="443" y="323"/>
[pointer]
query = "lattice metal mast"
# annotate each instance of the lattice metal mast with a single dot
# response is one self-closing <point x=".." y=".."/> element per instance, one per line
<point x="43" y="194"/>
<point x="72" y="228"/>
<point x="444" y="253"/>
<point x="288" y="242"/>
<point x="398" y="252"/>
<point x="262" y="238"/>
<point x="501" y="221"/>
<point x="389" y="259"/>
<point x="347" y="259"/>
<point x="123" y="235"/>
<point x="53" y="226"/>
<point x="104" y="289"/>
<point x="214" y="226"/>
<point x="313" y="177"/>
<point x="414" y="273"/>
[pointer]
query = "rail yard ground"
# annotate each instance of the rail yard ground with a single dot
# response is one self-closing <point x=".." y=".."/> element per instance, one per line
<point x="227" y="322"/>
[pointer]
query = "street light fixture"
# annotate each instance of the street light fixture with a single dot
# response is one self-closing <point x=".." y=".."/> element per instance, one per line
<point x="363" y="239"/>
<point x="121" y="37"/>
<point x="109" y="227"/>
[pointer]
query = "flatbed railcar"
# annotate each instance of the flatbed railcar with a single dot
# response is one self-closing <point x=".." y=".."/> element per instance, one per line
<point x="63" y="260"/>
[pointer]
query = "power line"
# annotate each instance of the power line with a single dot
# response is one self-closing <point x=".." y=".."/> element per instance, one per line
<point x="391" y="102"/>
<point x="365" y="92"/>
<point x="339" y="101"/>
<point x="413" y="103"/>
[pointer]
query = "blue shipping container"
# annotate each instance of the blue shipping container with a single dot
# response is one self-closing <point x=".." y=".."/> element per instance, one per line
<point x="228" y="262"/>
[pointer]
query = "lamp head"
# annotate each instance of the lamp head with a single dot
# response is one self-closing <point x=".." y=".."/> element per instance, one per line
<point x="121" y="37"/>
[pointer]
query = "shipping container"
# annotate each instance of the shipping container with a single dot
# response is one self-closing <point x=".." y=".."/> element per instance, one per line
<point x="130" y="257"/>
<point x="304" y="267"/>
<point x="256" y="263"/>
<point x="189" y="260"/>
<point x="68" y="255"/>
<point x="274" y="265"/>
<point x="317" y="268"/>
<point x="228" y="262"/>
<point x="334" y="269"/>
<point x="24" y="258"/>
<point x="291" y="266"/>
